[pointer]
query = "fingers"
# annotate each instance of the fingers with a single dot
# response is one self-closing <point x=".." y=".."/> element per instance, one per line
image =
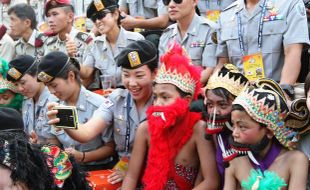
<point x="70" y="46"/>
<point x="116" y="177"/>
<point x="51" y="105"/>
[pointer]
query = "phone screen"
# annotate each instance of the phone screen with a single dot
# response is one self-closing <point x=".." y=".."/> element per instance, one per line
<point x="67" y="117"/>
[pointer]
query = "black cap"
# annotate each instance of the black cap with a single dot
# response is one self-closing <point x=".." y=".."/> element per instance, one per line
<point x="53" y="64"/>
<point x="99" y="5"/>
<point x="19" y="67"/>
<point x="10" y="119"/>
<point x="137" y="54"/>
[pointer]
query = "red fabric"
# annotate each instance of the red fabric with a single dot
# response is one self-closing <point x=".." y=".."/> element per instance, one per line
<point x="169" y="133"/>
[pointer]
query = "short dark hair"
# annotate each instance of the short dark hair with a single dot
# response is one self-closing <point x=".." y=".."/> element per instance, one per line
<point x="65" y="73"/>
<point x="307" y="84"/>
<point x="23" y="12"/>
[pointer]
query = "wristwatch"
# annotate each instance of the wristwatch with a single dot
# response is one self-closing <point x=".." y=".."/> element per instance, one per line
<point x="289" y="90"/>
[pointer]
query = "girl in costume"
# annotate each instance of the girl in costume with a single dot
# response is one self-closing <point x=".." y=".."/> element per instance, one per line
<point x="258" y="117"/>
<point x="9" y="97"/>
<point x="173" y="137"/>
<point x="221" y="89"/>
<point x="26" y="166"/>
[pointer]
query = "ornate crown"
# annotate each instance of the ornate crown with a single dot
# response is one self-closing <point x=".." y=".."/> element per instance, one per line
<point x="229" y="78"/>
<point x="4" y="84"/>
<point x="176" y="69"/>
<point x="267" y="106"/>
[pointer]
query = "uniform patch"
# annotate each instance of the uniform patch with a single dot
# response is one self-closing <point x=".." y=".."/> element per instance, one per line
<point x="134" y="59"/>
<point x="197" y="44"/>
<point x="107" y="103"/>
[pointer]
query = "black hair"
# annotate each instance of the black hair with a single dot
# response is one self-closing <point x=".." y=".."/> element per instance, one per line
<point x="307" y="84"/>
<point x="223" y="93"/>
<point x="182" y="93"/>
<point x="71" y="67"/>
<point x="33" y="70"/>
<point x="23" y="12"/>
<point x="113" y="10"/>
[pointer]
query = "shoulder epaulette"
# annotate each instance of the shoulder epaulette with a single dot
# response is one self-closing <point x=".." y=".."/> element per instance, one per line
<point x="169" y="28"/>
<point x="84" y="37"/>
<point x="232" y="5"/>
<point x="51" y="40"/>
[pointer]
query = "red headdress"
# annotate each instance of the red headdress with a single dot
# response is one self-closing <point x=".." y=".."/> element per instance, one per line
<point x="177" y="69"/>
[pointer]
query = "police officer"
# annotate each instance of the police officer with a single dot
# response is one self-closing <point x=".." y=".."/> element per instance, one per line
<point x="61" y="75"/>
<point x="192" y="32"/>
<point x="23" y="24"/>
<point x="125" y="108"/>
<point x="23" y="74"/>
<point x="264" y="38"/>
<point x="60" y="17"/>
<point x="110" y="43"/>
<point x="211" y="8"/>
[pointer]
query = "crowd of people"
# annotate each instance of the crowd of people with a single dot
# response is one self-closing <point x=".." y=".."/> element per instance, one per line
<point x="203" y="95"/>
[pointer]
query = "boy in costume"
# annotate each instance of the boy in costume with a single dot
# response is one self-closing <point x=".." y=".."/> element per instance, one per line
<point x="221" y="90"/>
<point x="258" y="118"/>
<point x="173" y="137"/>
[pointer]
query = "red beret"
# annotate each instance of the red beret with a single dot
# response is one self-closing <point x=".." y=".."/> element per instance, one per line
<point x="56" y="3"/>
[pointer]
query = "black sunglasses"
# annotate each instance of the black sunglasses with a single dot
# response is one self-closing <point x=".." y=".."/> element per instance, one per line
<point x="100" y="15"/>
<point x="166" y="2"/>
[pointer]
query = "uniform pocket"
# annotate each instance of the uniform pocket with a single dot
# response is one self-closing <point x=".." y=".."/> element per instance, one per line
<point x="120" y="133"/>
<point x="273" y="36"/>
<point x="150" y="4"/>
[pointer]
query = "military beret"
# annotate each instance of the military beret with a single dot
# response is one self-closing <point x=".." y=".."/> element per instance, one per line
<point x="137" y="54"/>
<point x="50" y="4"/>
<point x="99" y="5"/>
<point x="10" y="119"/>
<point x="52" y="64"/>
<point x="20" y="66"/>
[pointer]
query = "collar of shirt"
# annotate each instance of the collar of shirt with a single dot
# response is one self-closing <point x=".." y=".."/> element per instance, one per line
<point x="43" y="97"/>
<point x="82" y="100"/>
<point x="192" y="29"/>
<point x="241" y="5"/>
<point x="31" y="40"/>
<point x="72" y="34"/>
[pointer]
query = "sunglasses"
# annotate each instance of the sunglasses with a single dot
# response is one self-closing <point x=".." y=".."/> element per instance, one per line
<point x="166" y="2"/>
<point x="99" y="15"/>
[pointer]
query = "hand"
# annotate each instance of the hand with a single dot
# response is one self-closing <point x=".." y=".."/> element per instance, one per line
<point x="128" y="22"/>
<point x="76" y="154"/>
<point x="108" y="91"/>
<point x="34" y="139"/>
<point x="116" y="177"/>
<point x="51" y="113"/>
<point x="70" y="46"/>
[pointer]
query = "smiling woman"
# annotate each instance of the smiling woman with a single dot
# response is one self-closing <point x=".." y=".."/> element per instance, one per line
<point x="112" y="40"/>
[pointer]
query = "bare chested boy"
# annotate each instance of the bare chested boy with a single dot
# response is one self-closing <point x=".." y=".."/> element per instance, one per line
<point x="258" y="126"/>
<point x="172" y="140"/>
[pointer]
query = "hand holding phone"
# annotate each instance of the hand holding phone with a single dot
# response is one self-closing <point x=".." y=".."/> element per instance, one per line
<point x="67" y="117"/>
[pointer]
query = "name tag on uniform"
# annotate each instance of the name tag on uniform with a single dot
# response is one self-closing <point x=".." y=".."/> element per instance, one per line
<point x="253" y="66"/>
<point x="213" y="15"/>
<point x="197" y="44"/>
